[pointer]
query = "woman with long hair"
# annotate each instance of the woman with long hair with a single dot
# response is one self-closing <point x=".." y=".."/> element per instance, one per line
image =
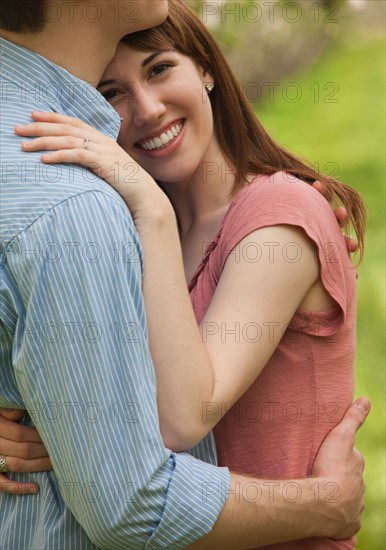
<point x="261" y="349"/>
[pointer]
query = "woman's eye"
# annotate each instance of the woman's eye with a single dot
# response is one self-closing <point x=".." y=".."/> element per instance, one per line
<point x="111" y="95"/>
<point x="160" y="69"/>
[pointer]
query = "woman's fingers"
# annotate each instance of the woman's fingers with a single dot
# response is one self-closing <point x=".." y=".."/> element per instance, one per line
<point x="16" y="487"/>
<point x="17" y="432"/>
<point x="52" y="124"/>
<point x="47" y="116"/>
<point x="69" y="140"/>
<point x="40" y="129"/>
<point x="57" y="118"/>
<point x="21" y="465"/>
<point x="26" y="450"/>
<point x="73" y="156"/>
<point x="12" y="414"/>
<point x="51" y="143"/>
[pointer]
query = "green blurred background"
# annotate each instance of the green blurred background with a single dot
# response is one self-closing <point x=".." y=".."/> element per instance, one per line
<point x="316" y="77"/>
<point x="351" y="135"/>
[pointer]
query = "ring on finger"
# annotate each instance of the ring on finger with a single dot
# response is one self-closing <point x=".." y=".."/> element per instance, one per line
<point x="86" y="142"/>
<point x="3" y="465"/>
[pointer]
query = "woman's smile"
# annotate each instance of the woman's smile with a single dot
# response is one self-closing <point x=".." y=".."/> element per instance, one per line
<point x="167" y="116"/>
<point x="165" y="141"/>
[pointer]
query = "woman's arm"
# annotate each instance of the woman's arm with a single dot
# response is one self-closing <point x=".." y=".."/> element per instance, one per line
<point x="202" y="373"/>
<point x="195" y="367"/>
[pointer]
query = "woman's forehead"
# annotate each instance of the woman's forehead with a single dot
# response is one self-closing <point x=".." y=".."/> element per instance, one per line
<point x="126" y="59"/>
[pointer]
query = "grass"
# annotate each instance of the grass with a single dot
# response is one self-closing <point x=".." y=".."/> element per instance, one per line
<point x="347" y="140"/>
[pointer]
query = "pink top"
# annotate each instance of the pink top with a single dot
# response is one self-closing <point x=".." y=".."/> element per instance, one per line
<point x="277" y="426"/>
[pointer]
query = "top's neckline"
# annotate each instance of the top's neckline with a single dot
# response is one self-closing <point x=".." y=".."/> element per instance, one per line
<point x="212" y="245"/>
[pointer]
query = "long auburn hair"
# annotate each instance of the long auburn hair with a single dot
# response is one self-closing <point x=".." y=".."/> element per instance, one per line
<point x="241" y="137"/>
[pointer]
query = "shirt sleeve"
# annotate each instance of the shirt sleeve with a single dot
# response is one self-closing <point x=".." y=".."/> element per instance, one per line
<point x="282" y="199"/>
<point x="83" y="368"/>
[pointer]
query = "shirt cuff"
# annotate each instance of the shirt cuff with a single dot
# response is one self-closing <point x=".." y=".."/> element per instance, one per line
<point x="195" y="497"/>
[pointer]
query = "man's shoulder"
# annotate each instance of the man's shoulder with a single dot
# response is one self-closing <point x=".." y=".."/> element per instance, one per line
<point x="32" y="192"/>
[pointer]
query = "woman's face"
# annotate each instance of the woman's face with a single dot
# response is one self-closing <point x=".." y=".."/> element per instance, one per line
<point x="167" y="116"/>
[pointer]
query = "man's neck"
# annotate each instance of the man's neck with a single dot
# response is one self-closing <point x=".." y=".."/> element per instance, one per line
<point x="84" y="54"/>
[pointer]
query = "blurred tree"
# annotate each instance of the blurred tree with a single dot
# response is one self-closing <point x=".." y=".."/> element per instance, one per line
<point x="265" y="40"/>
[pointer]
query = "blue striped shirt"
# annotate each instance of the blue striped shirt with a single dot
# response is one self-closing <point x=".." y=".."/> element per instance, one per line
<point x="74" y="346"/>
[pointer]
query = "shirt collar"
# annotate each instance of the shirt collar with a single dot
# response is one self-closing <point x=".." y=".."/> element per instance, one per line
<point x="53" y="88"/>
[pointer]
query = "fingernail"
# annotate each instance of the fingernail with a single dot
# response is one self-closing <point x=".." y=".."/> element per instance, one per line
<point x="33" y="490"/>
<point x="363" y="405"/>
<point x="26" y="144"/>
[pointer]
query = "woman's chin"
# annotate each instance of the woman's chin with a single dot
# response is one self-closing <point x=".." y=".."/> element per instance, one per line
<point x="173" y="176"/>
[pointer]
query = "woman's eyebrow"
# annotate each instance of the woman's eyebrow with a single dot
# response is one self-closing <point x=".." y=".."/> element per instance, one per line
<point x="144" y="63"/>
<point x="106" y="82"/>
<point x="150" y="58"/>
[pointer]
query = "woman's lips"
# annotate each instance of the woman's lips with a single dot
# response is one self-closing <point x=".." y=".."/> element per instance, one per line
<point x="163" y="139"/>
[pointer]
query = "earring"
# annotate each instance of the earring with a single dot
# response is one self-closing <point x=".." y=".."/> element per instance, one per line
<point x="209" y="87"/>
<point x="121" y="119"/>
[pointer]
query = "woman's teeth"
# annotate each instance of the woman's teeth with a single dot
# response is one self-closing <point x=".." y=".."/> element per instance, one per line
<point x="161" y="141"/>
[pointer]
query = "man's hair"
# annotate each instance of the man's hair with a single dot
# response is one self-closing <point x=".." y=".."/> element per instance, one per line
<point x="22" y="15"/>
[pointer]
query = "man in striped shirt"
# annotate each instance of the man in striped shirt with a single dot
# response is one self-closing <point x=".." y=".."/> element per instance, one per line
<point x="74" y="344"/>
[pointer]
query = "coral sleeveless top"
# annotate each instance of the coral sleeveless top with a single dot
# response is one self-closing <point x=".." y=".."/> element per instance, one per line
<point x="277" y="426"/>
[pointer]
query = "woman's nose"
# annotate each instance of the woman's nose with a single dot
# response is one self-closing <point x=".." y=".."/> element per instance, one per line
<point x="147" y="107"/>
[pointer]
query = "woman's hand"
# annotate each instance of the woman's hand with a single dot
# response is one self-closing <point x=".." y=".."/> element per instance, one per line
<point x="24" y="452"/>
<point x="69" y="140"/>
<point x="74" y="141"/>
